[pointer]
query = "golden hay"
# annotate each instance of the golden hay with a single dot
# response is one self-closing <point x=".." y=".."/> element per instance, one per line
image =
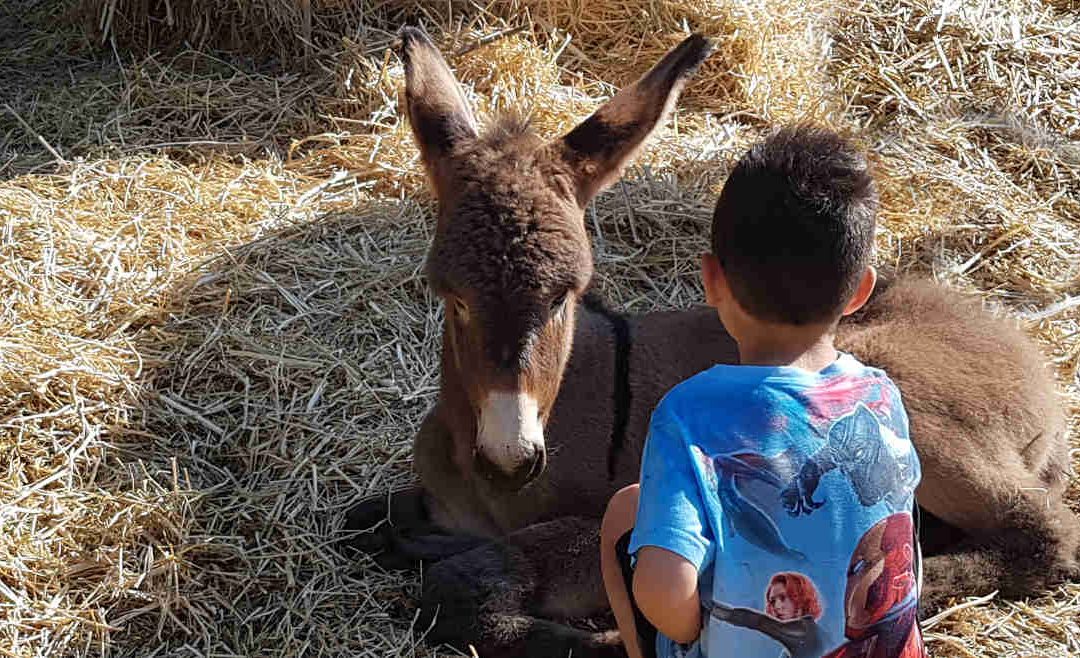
<point x="768" y="64"/>
<point x="258" y="28"/>
<point x="208" y="351"/>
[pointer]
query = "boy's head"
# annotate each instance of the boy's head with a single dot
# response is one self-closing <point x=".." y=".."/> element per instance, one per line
<point x="793" y="229"/>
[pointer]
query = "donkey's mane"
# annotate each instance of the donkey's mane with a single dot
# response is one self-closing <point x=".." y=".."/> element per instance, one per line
<point x="508" y="126"/>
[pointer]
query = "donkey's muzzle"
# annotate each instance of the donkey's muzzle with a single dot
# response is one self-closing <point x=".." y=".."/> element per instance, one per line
<point x="516" y="479"/>
<point x="510" y="439"/>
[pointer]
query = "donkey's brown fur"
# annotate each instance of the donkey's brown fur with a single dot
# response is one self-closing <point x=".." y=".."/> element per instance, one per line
<point x="503" y="219"/>
<point x="511" y="541"/>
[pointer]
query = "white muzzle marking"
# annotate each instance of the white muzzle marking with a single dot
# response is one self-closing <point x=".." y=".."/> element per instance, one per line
<point x="510" y="433"/>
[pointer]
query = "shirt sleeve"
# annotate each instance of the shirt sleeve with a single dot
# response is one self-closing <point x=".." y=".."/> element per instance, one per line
<point x="671" y="511"/>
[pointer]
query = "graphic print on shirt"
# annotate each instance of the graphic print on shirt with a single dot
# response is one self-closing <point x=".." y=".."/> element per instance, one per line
<point x="792" y="610"/>
<point x="741" y="515"/>
<point x="881" y="600"/>
<point x="879" y="465"/>
<point x="865" y="450"/>
<point x="782" y="475"/>
<point x="827" y="403"/>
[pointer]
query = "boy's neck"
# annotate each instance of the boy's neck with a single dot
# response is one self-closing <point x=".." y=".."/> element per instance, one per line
<point x="807" y="348"/>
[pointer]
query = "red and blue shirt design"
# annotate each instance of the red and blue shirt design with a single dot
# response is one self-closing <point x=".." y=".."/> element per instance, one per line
<point x="792" y="493"/>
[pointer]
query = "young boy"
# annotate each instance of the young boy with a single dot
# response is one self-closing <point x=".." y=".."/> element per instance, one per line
<point x="791" y="475"/>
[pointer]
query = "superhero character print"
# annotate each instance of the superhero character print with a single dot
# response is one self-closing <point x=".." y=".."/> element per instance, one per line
<point x="881" y="598"/>
<point x="792" y="611"/>
<point x="727" y="474"/>
<point x="880" y="602"/>
<point x="879" y="465"/>
<point x="827" y="403"/>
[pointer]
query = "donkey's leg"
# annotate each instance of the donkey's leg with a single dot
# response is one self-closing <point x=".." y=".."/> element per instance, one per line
<point x="507" y="597"/>
<point x="367" y="524"/>
<point x="419" y="523"/>
<point x="1036" y="548"/>
<point x="395" y="528"/>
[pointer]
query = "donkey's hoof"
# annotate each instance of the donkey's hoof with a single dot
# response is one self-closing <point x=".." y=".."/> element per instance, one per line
<point x="366" y="528"/>
<point x="368" y="513"/>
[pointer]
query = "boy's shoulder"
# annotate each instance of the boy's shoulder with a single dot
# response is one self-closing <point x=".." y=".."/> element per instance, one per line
<point x="723" y="386"/>
<point x="691" y="393"/>
<point x="713" y="393"/>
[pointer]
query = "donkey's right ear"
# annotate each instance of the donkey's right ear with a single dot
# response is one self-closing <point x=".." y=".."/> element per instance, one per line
<point x="438" y="113"/>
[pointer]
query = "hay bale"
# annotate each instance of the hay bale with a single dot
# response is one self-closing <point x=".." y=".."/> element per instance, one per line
<point x="259" y="28"/>
<point x="769" y="64"/>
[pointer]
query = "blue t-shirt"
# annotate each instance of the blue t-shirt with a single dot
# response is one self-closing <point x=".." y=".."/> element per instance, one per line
<point x="792" y="493"/>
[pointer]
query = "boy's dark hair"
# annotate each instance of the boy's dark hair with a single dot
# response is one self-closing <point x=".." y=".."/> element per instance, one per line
<point x="794" y="226"/>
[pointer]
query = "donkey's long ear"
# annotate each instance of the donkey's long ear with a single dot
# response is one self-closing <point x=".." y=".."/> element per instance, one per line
<point x="599" y="148"/>
<point x="439" y="116"/>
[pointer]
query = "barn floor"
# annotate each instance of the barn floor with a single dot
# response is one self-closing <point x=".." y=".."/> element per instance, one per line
<point x="215" y="336"/>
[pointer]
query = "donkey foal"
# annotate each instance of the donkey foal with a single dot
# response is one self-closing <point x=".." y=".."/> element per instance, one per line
<point x="545" y="395"/>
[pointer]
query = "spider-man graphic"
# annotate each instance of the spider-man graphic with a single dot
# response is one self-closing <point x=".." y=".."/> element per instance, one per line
<point x="880" y="603"/>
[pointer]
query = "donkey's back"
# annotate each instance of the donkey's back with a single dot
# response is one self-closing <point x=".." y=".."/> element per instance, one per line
<point x="985" y="415"/>
<point x="985" y="418"/>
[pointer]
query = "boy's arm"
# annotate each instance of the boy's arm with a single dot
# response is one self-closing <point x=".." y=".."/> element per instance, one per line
<point x="666" y="590"/>
<point x="671" y="538"/>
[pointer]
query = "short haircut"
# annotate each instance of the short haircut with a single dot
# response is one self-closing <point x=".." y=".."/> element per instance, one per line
<point x="794" y="226"/>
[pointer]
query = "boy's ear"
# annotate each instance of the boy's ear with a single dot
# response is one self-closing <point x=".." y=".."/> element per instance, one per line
<point x="598" y="148"/>
<point x="863" y="291"/>
<point x="712" y="277"/>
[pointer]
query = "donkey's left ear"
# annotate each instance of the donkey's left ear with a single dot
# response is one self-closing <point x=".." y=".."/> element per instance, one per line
<point x="600" y="147"/>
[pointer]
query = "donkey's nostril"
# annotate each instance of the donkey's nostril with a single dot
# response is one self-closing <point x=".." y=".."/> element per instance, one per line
<point x="527" y="471"/>
<point x="530" y="469"/>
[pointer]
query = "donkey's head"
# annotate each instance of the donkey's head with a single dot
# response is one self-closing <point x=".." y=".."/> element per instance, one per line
<point x="511" y="256"/>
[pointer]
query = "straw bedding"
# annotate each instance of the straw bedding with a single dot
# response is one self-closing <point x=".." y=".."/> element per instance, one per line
<point x="214" y="331"/>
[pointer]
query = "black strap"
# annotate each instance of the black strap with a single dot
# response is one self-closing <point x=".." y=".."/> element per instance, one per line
<point x="621" y="395"/>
